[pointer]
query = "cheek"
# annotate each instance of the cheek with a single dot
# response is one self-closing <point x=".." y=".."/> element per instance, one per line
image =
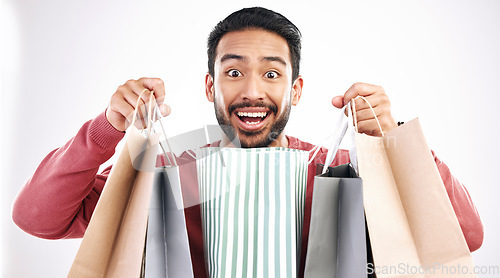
<point x="226" y="92"/>
<point x="284" y="97"/>
<point x="219" y="101"/>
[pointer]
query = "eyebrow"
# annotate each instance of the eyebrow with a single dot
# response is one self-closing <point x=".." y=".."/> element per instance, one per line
<point x="242" y="58"/>
<point x="274" y="59"/>
<point x="232" y="56"/>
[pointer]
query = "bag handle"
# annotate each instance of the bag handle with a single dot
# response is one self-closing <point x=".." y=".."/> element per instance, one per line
<point x="160" y="116"/>
<point x="152" y="112"/>
<point x="332" y="141"/>
<point x="340" y="131"/>
<point x="339" y="134"/>
<point x="373" y="111"/>
<point x="149" y="113"/>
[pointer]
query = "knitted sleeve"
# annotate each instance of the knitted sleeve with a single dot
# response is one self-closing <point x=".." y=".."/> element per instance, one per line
<point x="58" y="200"/>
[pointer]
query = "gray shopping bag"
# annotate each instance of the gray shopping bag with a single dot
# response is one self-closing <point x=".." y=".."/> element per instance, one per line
<point x="337" y="240"/>
<point x="167" y="247"/>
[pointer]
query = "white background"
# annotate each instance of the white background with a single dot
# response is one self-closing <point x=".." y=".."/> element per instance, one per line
<point x="62" y="60"/>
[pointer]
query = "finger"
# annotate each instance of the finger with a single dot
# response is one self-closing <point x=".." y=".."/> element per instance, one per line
<point x="156" y="85"/>
<point x="360" y="89"/>
<point x="140" y="123"/>
<point x="139" y="90"/>
<point x="338" y="101"/>
<point x="383" y="118"/>
<point x="369" y="127"/>
<point x="140" y="113"/>
<point x="374" y="100"/>
<point x="367" y="114"/>
<point x="124" y="109"/>
<point x="125" y="94"/>
<point x="129" y="96"/>
<point x="165" y="109"/>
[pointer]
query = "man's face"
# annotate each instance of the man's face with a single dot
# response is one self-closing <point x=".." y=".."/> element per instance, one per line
<point x="252" y="87"/>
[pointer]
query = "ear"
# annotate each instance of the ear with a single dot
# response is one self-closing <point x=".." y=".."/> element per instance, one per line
<point x="209" y="87"/>
<point x="297" y="90"/>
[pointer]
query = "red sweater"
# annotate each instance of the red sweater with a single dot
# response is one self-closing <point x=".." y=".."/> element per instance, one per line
<point x="59" y="199"/>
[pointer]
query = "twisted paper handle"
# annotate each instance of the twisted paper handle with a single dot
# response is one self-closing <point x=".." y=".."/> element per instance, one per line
<point x="150" y="119"/>
<point x="353" y="106"/>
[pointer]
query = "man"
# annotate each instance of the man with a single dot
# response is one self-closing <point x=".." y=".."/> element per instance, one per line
<point x="253" y="80"/>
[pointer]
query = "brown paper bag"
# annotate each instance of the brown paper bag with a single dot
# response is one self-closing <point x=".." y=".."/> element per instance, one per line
<point x="113" y="244"/>
<point x="413" y="228"/>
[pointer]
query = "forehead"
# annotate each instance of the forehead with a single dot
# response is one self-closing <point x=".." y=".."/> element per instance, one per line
<point x="255" y="43"/>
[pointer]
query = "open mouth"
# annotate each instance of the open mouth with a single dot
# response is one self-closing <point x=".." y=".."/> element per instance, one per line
<point x="252" y="120"/>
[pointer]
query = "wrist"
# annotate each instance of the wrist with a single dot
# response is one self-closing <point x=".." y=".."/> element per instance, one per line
<point x="109" y="118"/>
<point x="103" y="133"/>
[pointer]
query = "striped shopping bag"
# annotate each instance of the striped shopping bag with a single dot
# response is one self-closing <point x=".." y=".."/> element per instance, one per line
<point x="252" y="206"/>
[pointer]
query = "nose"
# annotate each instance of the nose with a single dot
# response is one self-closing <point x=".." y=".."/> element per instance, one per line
<point x="252" y="89"/>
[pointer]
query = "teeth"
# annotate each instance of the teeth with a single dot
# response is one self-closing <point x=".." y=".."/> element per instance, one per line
<point x="253" y="115"/>
<point x="252" y="123"/>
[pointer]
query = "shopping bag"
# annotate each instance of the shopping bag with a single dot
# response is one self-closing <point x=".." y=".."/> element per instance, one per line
<point x="412" y="226"/>
<point x="252" y="206"/>
<point x="113" y="244"/>
<point x="175" y="195"/>
<point x="336" y="245"/>
<point x="167" y="244"/>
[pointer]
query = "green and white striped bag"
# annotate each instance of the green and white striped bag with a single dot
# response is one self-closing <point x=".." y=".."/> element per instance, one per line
<point x="252" y="207"/>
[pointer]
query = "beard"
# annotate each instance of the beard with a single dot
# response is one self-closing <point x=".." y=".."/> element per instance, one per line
<point x="252" y="139"/>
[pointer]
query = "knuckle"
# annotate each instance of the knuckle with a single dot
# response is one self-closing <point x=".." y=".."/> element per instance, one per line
<point x="357" y="86"/>
<point x="384" y="102"/>
<point x="383" y="95"/>
<point x="116" y="96"/>
<point x="387" y="99"/>
<point x="159" y="82"/>
<point x="146" y="95"/>
<point x="121" y="89"/>
<point x="130" y="81"/>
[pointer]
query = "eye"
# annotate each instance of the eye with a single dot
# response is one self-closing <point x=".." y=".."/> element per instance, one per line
<point x="271" y="74"/>
<point x="234" y="73"/>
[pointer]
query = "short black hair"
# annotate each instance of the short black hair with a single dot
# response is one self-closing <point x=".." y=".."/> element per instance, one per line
<point x="257" y="18"/>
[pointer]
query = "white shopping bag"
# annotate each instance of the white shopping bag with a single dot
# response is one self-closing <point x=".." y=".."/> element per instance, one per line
<point x="252" y="203"/>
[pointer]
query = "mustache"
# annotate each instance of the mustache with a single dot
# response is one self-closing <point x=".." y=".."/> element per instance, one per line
<point x="246" y="104"/>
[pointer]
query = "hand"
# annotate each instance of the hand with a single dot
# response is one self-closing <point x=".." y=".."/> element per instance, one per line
<point x="122" y="105"/>
<point x="365" y="119"/>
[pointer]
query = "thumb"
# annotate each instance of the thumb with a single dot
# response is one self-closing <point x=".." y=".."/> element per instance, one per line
<point x="165" y="109"/>
<point x="338" y="101"/>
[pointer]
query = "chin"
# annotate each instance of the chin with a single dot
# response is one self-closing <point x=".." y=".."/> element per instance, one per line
<point x="255" y="139"/>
